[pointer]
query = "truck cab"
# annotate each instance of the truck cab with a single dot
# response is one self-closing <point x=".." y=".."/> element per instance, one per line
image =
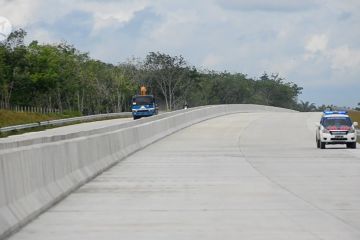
<point x="143" y="106"/>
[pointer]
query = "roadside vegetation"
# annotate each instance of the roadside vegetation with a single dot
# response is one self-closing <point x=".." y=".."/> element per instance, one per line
<point x="62" y="78"/>
<point x="311" y="107"/>
<point x="58" y="76"/>
<point x="355" y="116"/>
<point x="10" y="118"/>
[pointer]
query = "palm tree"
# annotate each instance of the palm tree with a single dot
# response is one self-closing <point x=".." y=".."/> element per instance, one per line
<point x="306" y="106"/>
<point x="358" y="107"/>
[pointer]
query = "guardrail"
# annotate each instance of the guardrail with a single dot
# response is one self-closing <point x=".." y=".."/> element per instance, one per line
<point x="65" y="121"/>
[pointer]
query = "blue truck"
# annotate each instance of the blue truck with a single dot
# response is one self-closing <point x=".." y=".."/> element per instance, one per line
<point x="143" y="106"/>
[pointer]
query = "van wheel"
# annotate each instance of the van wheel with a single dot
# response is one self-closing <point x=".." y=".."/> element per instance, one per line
<point x="322" y="145"/>
<point x="317" y="143"/>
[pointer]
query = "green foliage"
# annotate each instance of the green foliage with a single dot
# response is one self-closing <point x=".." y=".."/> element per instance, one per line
<point x="169" y="76"/>
<point x="61" y="77"/>
<point x="307" y="107"/>
<point x="226" y="88"/>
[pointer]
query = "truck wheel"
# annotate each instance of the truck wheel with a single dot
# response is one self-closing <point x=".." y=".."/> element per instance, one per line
<point x="351" y="145"/>
<point x="322" y="145"/>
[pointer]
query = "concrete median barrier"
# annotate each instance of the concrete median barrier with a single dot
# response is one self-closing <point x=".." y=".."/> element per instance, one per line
<point x="35" y="175"/>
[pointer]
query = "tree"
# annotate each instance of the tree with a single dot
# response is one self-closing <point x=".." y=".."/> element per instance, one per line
<point x="306" y="106"/>
<point x="358" y="107"/>
<point x="60" y="76"/>
<point x="13" y="65"/>
<point x="230" y="88"/>
<point x="172" y="76"/>
<point x="123" y="88"/>
<point x="274" y="91"/>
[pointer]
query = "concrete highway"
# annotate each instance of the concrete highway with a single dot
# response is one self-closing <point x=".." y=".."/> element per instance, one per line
<point x="252" y="176"/>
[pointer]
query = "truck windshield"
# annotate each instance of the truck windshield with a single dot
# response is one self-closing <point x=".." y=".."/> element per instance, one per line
<point x="337" y="122"/>
<point x="143" y="100"/>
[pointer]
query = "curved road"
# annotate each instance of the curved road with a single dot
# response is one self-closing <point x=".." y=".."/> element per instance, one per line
<point x="242" y="176"/>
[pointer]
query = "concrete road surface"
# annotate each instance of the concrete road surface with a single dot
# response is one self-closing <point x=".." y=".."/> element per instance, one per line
<point x="243" y="176"/>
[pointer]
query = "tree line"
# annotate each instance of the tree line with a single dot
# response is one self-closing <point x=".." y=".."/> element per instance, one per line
<point x="60" y="76"/>
<point x="306" y="106"/>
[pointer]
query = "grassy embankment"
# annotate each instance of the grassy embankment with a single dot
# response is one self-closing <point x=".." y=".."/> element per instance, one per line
<point x="11" y="118"/>
<point x="355" y="116"/>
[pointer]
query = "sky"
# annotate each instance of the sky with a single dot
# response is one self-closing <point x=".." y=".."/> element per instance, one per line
<point x="313" y="43"/>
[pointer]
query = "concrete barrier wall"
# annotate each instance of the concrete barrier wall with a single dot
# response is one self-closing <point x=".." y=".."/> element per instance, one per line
<point x="35" y="175"/>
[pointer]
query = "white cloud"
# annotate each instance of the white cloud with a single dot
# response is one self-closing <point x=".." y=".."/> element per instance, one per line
<point x="345" y="59"/>
<point x="285" y="66"/>
<point x="24" y="13"/>
<point x="177" y="27"/>
<point x="273" y="5"/>
<point x="109" y="13"/>
<point x="317" y="43"/>
<point x="339" y="59"/>
<point x="43" y="35"/>
<point x="19" y="12"/>
<point x="211" y="60"/>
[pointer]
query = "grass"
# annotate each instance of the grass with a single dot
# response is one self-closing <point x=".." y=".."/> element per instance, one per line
<point x="355" y="116"/>
<point x="11" y="118"/>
